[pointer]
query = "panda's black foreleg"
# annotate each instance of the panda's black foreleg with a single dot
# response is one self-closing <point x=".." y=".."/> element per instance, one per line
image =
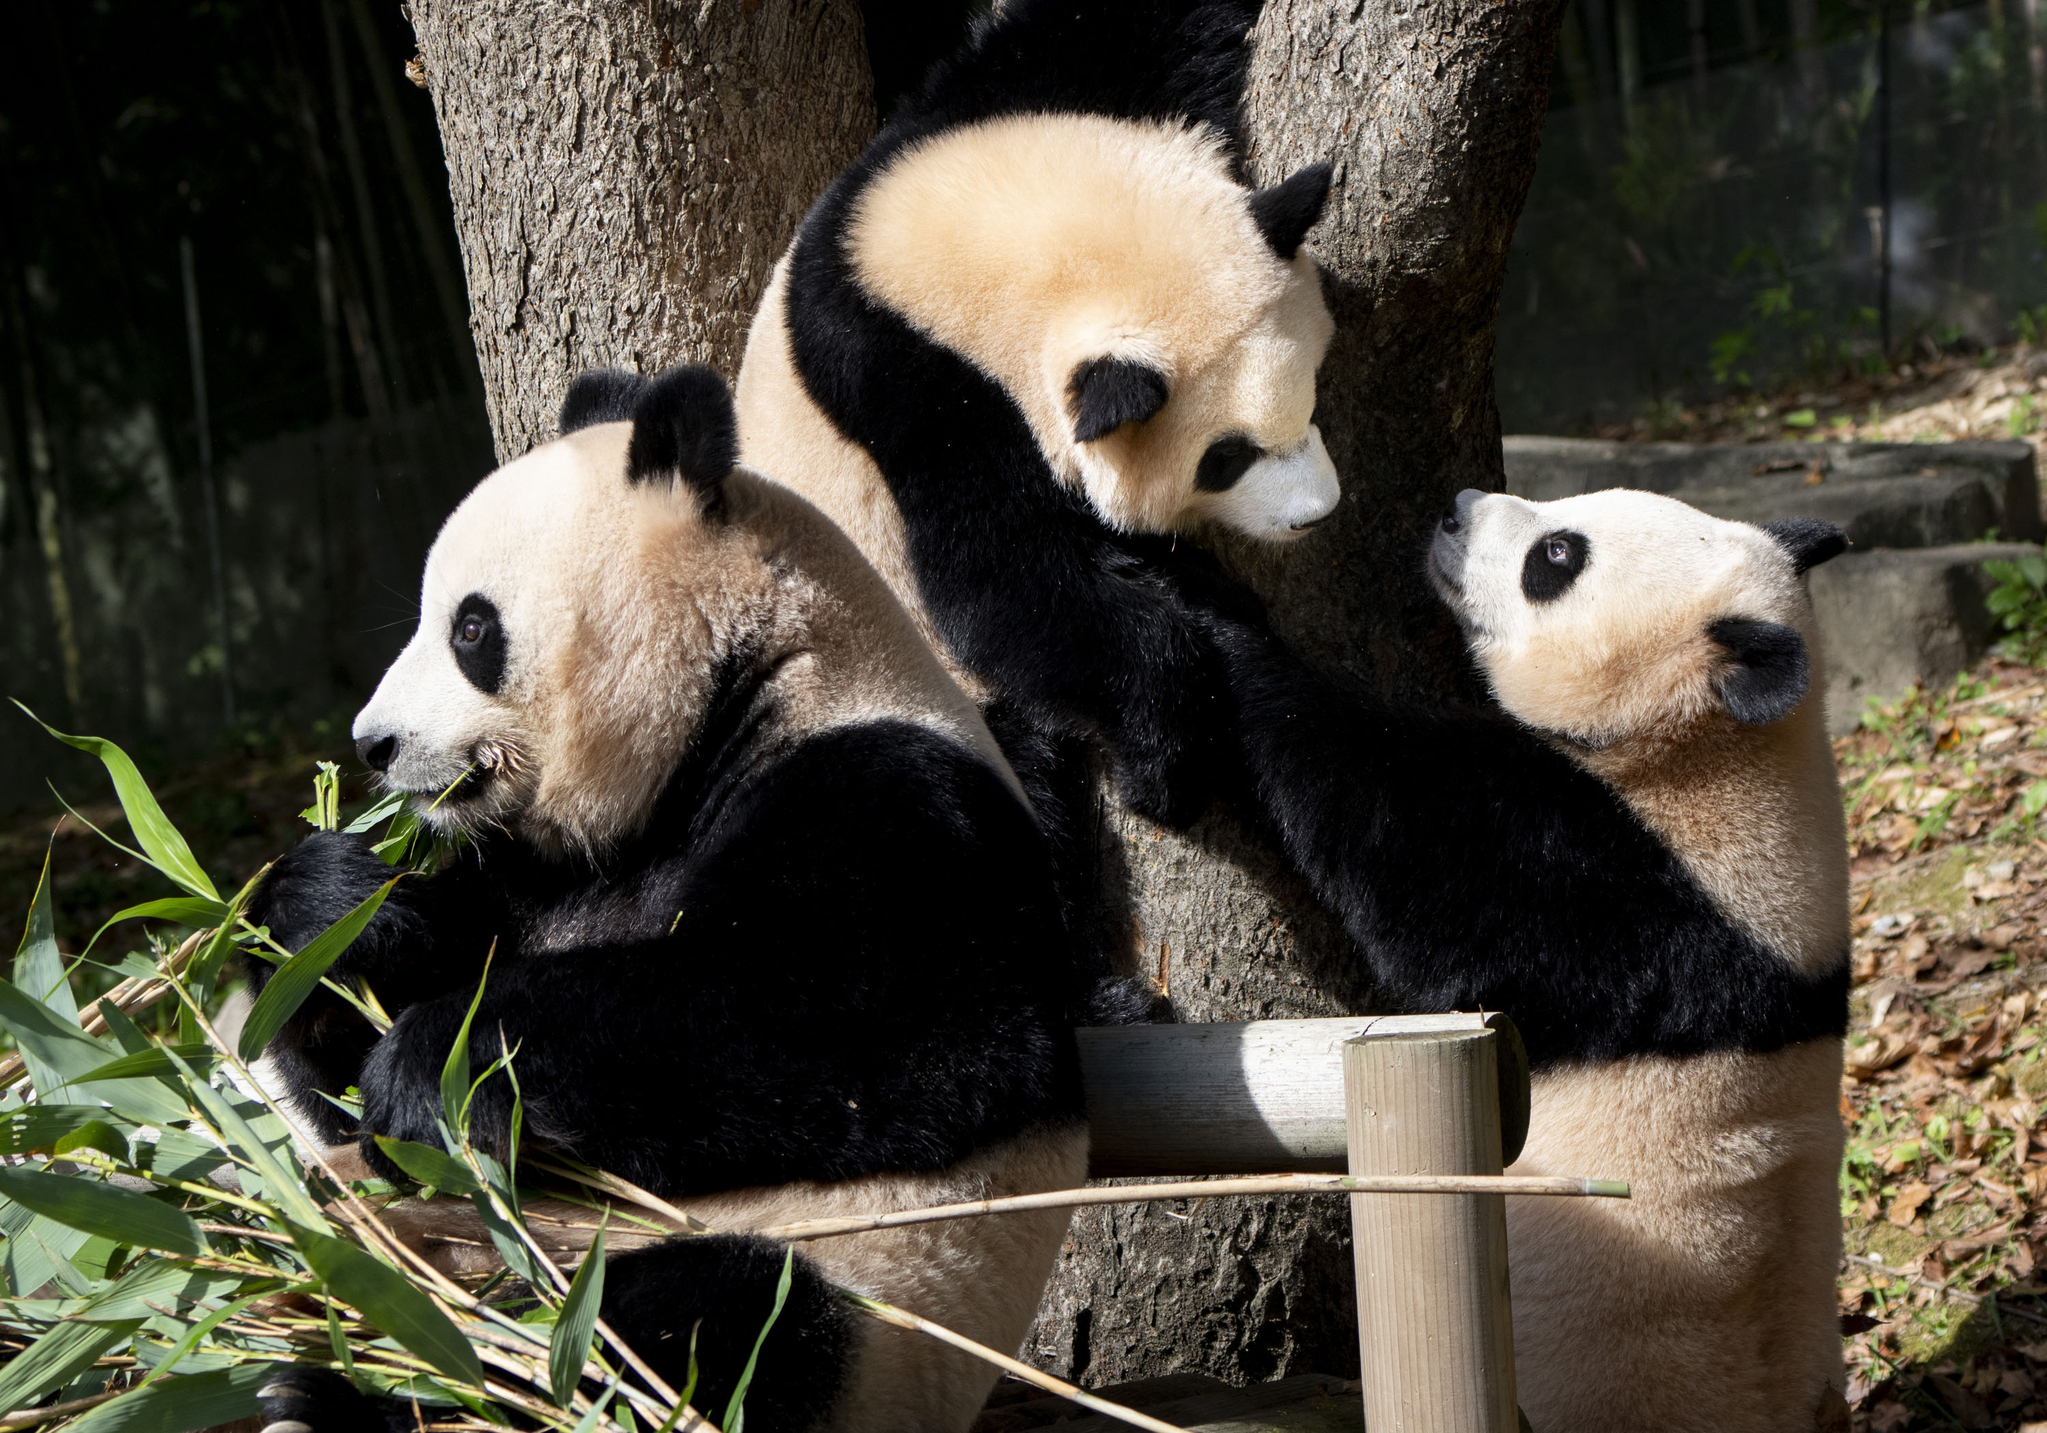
<point x="718" y="1290"/>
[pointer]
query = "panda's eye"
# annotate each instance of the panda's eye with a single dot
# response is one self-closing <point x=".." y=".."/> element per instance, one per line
<point x="1553" y="563"/>
<point x="1226" y="460"/>
<point x="478" y="641"/>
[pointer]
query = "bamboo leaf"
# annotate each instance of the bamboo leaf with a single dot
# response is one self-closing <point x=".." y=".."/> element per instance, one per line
<point x="195" y="911"/>
<point x="38" y="966"/>
<point x="67" y="1052"/>
<point x="150" y="1064"/>
<point x="429" y="1165"/>
<point x="94" y="1134"/>
<point x="455" y="1073"/>
<point x="569" y="1347"/>
<point x="278" y="1183"/>
<point x="165" y="848"/>
<point x="735" y="1411"/>
<point x="154" y="1286"/>
<point x="38" y="1126"/>
<point x="179" y="1405"/>
<point x="103" y="1209"/>
<point x="56" y="1358"/>
<point x="390" y="1301"/>
<point x="298" y="977"/>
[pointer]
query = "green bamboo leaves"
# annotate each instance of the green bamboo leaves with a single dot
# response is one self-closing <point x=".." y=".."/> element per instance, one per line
<point x="576" y="1324"/>
<point x="390" y="1301"/>
<point x="104" y="1209"/>
<point x="297" y="977"/>
<point x="161" y="844"/>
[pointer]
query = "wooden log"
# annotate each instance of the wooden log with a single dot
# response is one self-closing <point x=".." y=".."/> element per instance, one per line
<point x="1255" y="1097"/>
<point x="1435" y="1331"/>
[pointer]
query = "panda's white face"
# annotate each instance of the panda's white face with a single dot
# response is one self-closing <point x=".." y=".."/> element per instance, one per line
<point x="1113" y="277"/>
<point x="1614" y="613"/>
<point x="561" y="658"/>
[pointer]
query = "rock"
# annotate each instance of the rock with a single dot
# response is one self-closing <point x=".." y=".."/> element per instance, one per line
<point x="1888" y="618"/>
<point x="1881" y="494"/>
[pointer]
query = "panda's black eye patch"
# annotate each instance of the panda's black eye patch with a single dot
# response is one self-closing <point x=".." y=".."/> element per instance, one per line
<point x="1552" y="565"/>
<point x="478" y="640"/>
<point x="1226" y="460"/>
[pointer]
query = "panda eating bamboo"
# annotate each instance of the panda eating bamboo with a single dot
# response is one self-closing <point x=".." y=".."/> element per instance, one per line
<point x="774" y="930"/>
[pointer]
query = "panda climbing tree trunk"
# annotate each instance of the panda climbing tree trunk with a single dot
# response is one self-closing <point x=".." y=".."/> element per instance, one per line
<point x="1431" y="114"/>
<point x="625" y="175"/>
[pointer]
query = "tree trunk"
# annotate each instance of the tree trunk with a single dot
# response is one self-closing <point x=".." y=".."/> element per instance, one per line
<point x="1431" y="111"/>
<point x="624" y="178"/>
<point x="625" y="175"/>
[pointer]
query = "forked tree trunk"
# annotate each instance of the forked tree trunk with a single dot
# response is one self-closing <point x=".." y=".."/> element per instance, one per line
<point x="625" y="174"/>
<point x="1431" y="111"/>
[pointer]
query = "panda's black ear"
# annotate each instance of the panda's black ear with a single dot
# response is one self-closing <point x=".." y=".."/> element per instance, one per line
<point x="1105" y="393"/>
<point x="683" y="428"/>
<point x="603" y="395"/>
<point x="1288" y="210"/>
<point x="1809" y="540"/>
<point x="1768" y="671"/>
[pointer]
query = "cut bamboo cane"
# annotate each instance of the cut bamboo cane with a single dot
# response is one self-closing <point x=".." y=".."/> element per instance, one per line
<point x="1435" y="1331"/>
<point x="133" y="994"/>
<point x="1552" y="1184"/>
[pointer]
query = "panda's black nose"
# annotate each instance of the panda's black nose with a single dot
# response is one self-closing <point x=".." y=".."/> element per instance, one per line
<point x="1451" y="522"/>
<point x="377" y="751"/>
<point x="1460" y="510"/>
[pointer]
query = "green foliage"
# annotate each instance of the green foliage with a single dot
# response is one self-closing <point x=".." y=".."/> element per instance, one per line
<point x="2018" y="605"/>
<point x="111" y="1280"/>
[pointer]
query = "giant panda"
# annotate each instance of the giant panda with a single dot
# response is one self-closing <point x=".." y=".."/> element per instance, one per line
<point x="773" y="927"/>
<point x="1039" y="329"/>
<point x="1641" y="857"/>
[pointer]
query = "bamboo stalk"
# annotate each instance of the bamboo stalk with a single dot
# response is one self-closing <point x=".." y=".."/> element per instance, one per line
<point x="29" y="1417"/>
<point x="903" y="1319"/>
<point x="1548" y="1184"/>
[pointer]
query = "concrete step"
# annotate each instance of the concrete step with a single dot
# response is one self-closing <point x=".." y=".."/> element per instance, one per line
<point x="1889" y="617"/>
<point x="1881" y="494"/>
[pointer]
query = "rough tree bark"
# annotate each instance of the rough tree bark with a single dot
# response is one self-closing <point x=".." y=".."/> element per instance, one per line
<point x="1431" y="111"/>
<point x="625" y="175"/>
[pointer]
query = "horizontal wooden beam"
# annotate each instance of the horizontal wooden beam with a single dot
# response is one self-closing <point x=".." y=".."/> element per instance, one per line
<point x="1256" y="1097"/>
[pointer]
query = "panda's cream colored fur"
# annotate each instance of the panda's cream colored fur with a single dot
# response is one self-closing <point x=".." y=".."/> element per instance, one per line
<point x="584" y="729"/>
<point x="1708" y="1294"/>
<point x="1733" y="1225"/>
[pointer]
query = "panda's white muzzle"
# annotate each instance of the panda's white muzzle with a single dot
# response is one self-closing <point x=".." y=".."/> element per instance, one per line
<point x="1282" y="495"/>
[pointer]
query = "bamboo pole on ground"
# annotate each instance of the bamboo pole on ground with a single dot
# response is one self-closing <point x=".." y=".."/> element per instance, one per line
<point x="1435" y="1330"/>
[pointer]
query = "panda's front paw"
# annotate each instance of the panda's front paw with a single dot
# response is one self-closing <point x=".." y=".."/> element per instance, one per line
<point x="319" y="881"/>
<point x="401" y="1083"/>
<point x="319" y="1400"/>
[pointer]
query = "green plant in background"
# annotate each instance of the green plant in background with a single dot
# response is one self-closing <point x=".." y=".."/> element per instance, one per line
<point x="2021" y="420"/>
<point x="2018" y="605"/>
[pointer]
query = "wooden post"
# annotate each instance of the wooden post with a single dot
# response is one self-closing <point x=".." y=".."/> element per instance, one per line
<point x="1435" y="1330"/>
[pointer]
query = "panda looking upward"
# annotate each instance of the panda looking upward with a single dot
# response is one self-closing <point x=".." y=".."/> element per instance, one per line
<point x="1036" y="331"/>
<point x="774" y="931"/>
<point x="1643" y="861"/>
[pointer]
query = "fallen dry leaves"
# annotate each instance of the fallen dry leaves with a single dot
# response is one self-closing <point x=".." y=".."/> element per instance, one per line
<point x="1944" y="1188"/>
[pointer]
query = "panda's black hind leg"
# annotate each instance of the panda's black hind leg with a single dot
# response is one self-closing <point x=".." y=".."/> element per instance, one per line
<point x="723" y="1287"/>
<point x="319" y="1400"/>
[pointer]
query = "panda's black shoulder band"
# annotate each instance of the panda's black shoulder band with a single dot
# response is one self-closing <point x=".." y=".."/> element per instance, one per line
<point x="683" y="428"/>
